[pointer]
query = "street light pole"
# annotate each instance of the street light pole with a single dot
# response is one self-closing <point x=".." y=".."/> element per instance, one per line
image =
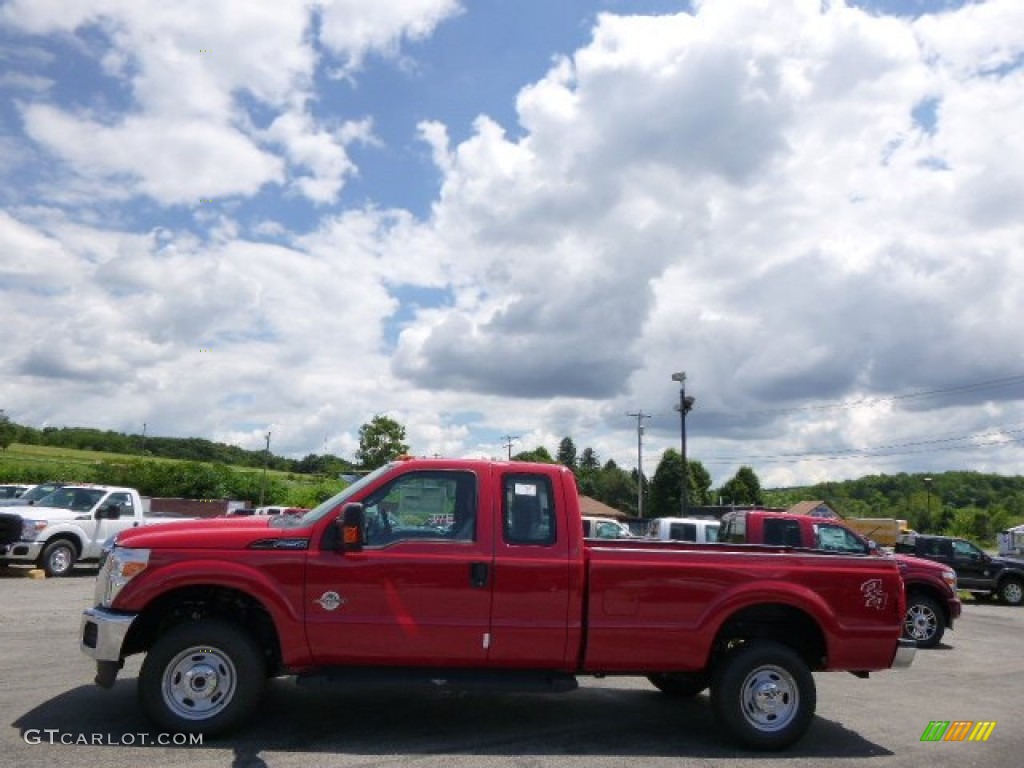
<point x="684" y="406"/>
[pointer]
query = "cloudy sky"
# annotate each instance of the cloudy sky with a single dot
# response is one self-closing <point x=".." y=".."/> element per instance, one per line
<point x="521" y="217"/>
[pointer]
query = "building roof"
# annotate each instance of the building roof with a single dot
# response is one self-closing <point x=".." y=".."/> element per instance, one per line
<point x="816" y="508"/>
<point x="594" y="508"/>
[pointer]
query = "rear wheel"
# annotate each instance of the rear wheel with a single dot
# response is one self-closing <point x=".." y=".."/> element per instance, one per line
<point x="764" y="693"/>
<point x="923" y="622"/>
<point x="680" y="684"/>
<point x="1011" y="591"/>
<point x="58" y="558"/>
<point x="202" y="677"/>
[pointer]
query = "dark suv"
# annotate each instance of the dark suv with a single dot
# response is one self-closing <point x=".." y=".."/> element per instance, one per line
<point x="976" y="571"/>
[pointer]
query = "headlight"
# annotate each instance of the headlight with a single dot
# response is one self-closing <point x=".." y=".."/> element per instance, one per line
<point x="950" y="578"/>
<point x="121" y="566"/>
<point x="32" y="528"/>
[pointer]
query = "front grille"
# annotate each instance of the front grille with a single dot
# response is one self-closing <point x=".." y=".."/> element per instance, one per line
<point x="10" y="528"/>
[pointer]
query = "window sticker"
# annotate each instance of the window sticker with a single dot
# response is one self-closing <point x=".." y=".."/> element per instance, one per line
<point x="522" y="489"/>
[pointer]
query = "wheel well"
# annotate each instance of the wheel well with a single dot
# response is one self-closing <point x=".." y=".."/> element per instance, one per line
<point x="784" y="624"/>
<point x="70" y="538"/>
<point x="203" y="602"/>
<point x="1005" y="577"/>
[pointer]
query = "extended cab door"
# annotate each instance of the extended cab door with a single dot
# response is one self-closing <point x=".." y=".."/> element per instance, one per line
<point x="534" y="584"/>
<point x="973" y="567"/>
<point x="419" y="593"/>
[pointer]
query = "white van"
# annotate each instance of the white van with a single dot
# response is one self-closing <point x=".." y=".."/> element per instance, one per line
<point x="700" y="530"/>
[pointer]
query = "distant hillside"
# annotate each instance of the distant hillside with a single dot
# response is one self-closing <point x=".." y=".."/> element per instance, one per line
<point x="182" y="448"/>
<point x="963" y="503"/>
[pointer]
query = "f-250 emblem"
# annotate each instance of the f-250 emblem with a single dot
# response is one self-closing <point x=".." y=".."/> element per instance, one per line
<point x="874" y="595"/>
<point x="330" y="601"/>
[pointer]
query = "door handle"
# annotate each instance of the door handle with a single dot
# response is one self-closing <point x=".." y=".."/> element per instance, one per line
<point x="478" y="573"/>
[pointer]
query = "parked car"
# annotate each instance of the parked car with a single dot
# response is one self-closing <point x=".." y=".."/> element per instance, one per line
<point x="977" y="571"/>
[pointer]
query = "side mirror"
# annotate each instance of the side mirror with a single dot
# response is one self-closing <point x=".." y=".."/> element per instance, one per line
<point x="353" y="528"/>
<point x="109" y="512"/>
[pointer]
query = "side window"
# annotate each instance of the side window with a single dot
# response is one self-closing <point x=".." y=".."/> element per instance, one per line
<point x="124" y="501"/>
<point x="439" y="506"/>
<point x="528" y="513"/>
<point x="835" y="538"/>
<point x="682" y="532"/>
<point x="782" y="532"/>
<point x="711" y="533"/>
<point x="964" y="550"/>
<point x="734" y="529"/>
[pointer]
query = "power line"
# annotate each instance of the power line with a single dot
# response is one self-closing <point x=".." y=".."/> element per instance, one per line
<point x="873" y="401"/>
<point x="882" y="451"/>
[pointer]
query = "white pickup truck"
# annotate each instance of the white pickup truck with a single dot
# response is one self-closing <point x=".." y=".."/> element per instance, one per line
<point x="69" y="525"/>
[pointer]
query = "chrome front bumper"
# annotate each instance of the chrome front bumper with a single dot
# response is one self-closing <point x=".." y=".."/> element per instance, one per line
<point x="904" y="654"/>
<point x="103" y="632"/>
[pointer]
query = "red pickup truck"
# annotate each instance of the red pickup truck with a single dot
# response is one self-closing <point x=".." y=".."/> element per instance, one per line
<point x="931" y="591"/>
<point x="468" y="572"/>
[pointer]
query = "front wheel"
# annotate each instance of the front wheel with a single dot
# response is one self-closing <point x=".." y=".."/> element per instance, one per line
<point x="201" y="677"/>
<point x="58" y="558"/>
<point x="923" y="622"/>
<point x="680" y="684"/>
<point x="765" y="695"/>
<point x="1011" y="591"/>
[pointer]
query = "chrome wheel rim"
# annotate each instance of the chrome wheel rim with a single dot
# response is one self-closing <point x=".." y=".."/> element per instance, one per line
<point x="1013" y="592"/>
<point x="60" y="560"/>
<point x="921" y="622"/>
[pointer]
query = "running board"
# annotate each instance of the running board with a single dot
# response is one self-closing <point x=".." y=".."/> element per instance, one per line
<point x="512" y="681"/>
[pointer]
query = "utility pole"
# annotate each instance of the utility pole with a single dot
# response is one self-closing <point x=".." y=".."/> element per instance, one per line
<point x="507" y="441"/>
<point x="266" y="460"/>
<point x="639" y="416"/>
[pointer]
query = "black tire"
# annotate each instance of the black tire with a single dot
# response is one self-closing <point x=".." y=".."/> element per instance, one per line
<point x="202" y="677"/>
<point x="1011" y="591"/>
<point x="680" y="684"/>
<point x="764" y="694"/>
<point x="58" y="558"/>
<point x="923" y="622"/>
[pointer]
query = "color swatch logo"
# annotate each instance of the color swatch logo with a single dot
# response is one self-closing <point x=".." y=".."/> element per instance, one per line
<point x="958" y="730"/>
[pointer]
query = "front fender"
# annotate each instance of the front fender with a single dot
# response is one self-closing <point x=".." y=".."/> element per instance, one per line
<point x="280" y="597"/>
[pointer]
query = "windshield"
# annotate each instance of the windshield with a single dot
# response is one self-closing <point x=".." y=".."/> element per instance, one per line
<point x="39" y="492"/>
<point x="299" y="521"/>
<point x="75" y="499"/>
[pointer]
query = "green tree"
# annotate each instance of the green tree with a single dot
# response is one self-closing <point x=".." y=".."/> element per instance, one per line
<point x="616" y="487"/>
<point x="589" y="461"/>
<point x="8" y="431"/>
<point x="539" y="454"/>
<point x="567" y="453"/>
<point x="700" y="483"/>
<point x="666" y="484"/>
<point x="380" y="440"/>
<point x="743" y="488"/>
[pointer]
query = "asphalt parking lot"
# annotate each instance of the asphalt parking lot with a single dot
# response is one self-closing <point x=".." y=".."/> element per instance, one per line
<point x="54" y="715"/>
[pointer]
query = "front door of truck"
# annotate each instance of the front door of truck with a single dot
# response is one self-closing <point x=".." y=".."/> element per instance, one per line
<point x="419" y="593"/>
<point x="533" y="582"/>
